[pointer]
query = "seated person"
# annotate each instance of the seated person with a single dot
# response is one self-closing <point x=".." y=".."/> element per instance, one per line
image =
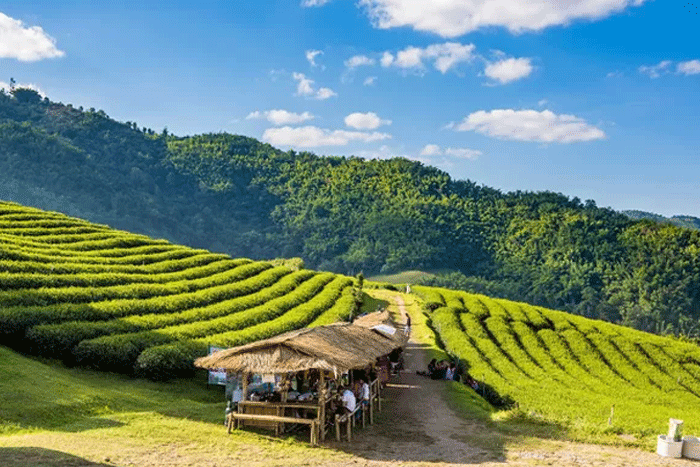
<point x="450" y="372"/>
<point x="347" y="399"/>
<point x="440" y="370"/>
<point x="431" y="368"/>
<point x="365" y="392"/>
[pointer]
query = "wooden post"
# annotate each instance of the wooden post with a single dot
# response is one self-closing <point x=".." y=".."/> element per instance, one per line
<point x="280" y="410"/>
<point x="337" y="427"/>
<point x="349" y="423"/>
<point x="244" y="396"/>
<point x="314" y="433"/>
<point x="379" y="398"/>
<point x="321" y="406"/>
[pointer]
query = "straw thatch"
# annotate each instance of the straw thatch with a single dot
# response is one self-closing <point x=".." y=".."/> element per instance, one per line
<point x="336" y="347"/>
<point x="373" y="319"/>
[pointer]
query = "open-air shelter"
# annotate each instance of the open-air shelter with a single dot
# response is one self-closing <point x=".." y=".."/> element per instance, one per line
<point x="326" y="353"/>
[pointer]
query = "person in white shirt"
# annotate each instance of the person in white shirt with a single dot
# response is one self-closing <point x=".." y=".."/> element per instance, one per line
<point x="365" y="392"/>
<point x="348" y="399"/>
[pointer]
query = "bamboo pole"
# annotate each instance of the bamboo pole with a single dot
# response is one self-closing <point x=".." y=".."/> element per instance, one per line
<point x="244" y="397"/>
<point x="322" y="405"/>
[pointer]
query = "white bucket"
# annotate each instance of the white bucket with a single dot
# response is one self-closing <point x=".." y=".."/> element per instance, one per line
<point x="691" y="447"/>
<point x="668" y="448"/>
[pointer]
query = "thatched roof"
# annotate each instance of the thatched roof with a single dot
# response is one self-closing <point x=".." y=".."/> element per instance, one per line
<point x="336" y="347"/>
<point x="373" y="319"/>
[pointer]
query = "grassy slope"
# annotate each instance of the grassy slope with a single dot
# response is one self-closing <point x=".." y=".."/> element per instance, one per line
<point x="40" y="396"/>
<point x="55" y="416"/>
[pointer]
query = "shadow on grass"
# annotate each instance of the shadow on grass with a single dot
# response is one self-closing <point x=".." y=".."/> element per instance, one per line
<point x="40" y="457"/>
<point x="74" y="425"/>
<point x="44" y="410"/>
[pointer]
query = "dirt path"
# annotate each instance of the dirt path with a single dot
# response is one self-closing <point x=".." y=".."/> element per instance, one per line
<point x="418" y="427"/>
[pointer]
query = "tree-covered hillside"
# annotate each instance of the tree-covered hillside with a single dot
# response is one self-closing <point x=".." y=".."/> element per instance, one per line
<point x="236" y="195"/>
<point x="689" y="222"/>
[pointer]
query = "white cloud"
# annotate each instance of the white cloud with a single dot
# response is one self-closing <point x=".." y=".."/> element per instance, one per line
<point x="387" y="59"/>
<point x="304" y="84"/>
<point x="311" y="136"/>
<point x="444" y="56"/>
<point x="410" y="57"/>
<point x="305" y="88"/>
<point x="614" y="74"/>
<point x="6" y="87"/>
<point x="530" y="125"/>
<point x="280" y="117"/>
<point x="369" y="81"/>
<point x="542" y="102"/>
<point x="309" y="3"/>
<point x="449" y="54"/>
<point x="432" y="150"/>
<point x="325" y="93"/>
<point x="311" y="56"/>
<point x="656" y="70"/>
<point x="691" y="67"/>
<point x="384" y="152"/>
<point x="463" y="153"/>
<point x="509" y="70"/>
<point x="26" y="44"/>
<point x="366" y="121"/>
<point x="452" y="18"/>
<point x="359" y="60"/>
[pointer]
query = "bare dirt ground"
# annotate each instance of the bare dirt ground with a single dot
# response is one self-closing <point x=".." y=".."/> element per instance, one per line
<point x="417" y="427"/>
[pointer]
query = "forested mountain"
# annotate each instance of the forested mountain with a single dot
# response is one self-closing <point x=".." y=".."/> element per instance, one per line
<point x="236" y="195"/>
<point x="681" y="221"/>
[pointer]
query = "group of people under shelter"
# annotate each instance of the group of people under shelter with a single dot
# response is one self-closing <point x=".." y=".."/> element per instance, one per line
<point x="348" y="397"/>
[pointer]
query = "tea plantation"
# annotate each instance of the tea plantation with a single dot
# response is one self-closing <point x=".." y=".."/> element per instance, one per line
<point x="115" y="301"/>
<point x="568" y="369"/>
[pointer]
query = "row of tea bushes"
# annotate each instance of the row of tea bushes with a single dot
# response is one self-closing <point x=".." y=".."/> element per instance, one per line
<point x="108" y="299"/>
<point x="567" y="369"/>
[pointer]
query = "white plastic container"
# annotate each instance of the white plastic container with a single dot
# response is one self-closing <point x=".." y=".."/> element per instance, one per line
<point x="691" y="447"/>
<point x="668" y="448"/>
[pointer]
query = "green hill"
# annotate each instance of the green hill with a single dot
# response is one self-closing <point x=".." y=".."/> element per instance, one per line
<point x="122" y="302"/>
<point x="566" y="369"/>
<point x="234" y="194"/>
<point x="688" y="222"/>
<point x="37" y="396"/>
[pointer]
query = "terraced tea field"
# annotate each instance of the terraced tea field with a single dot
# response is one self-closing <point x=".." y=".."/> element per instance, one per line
<point x="121" y="302"/>
<point x="567" y="369"/>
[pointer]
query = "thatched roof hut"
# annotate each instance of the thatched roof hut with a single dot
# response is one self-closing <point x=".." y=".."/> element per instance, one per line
<point x="336" y="347"/>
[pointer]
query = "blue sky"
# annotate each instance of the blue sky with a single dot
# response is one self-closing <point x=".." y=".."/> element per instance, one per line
<point x="598" y="99"/>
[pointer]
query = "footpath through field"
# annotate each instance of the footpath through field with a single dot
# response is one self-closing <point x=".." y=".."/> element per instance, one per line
<point x="417" y="426"/>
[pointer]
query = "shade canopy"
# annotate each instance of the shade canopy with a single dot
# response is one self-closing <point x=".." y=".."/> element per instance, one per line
<point x="336" y="347"/>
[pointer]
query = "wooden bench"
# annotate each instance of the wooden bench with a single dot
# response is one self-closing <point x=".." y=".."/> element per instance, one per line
<point x="313" y="422"/>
